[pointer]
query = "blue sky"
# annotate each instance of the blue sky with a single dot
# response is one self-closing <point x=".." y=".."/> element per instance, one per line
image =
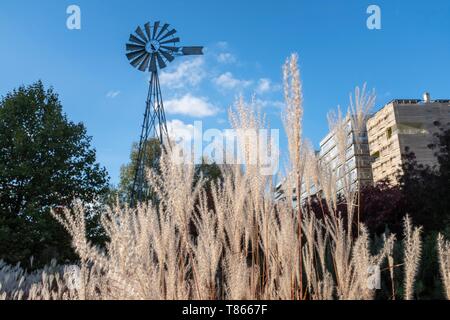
<point x="246" y="44"/>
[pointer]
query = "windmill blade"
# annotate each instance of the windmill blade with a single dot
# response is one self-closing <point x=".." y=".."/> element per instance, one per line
<point x="167" y="55"/>
<point x="134" y="47"/>
<point x="192" y="51"/>
<point x="144" y="64"/>
<point x="147" y="30"/>
<point x="173" y="49"/>
<point x="155" y="29"/>
<point x="138" y="60"/>
<point x="141" y="34"/>
<point x="136" y="40"/>
<point x="171" y="40"/>
<point x="153" y="64"/>
<point x="135" y="54"/>
<point x="161" y="62"/>
<point x="168" y="34"/>
<point x="163" y="29"/>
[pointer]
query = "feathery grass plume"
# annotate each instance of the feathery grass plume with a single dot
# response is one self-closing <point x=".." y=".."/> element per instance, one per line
<point x="341" y="248"/>
<point x="293" y="113"/>
<point x="362" y="261"/>
<point x="339" y="126"/>
<point x="360" y="108"/>
<point x="309" y="253"/>
<point x="208" y="250"/>
<point x="74" y="221"/>
<point x="53" y="282"/>
<point x="444" y="262"/>
<point x="178" y="194"/>
<point x="250" y="186"/>
<point x="286" y="249"/>
<point x="352" y="260"/>
<point x="328" y="186"/>
<point x="232" y="240"/>
<point x="320" y="283"/>
<point x="339" y="180"/>
<point x="391" y="265"/>
<point x="149" y="245"/>
<point x="413" y="250"/>
<point x="292" y="118"/>
<point x="230" y="202"/>
<point x="137" y="254"/>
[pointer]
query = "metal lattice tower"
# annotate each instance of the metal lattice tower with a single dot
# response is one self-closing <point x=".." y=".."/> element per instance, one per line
<point x="149" y="51"/>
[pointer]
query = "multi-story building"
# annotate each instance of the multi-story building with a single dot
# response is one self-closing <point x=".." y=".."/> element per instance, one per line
<point x="358" y="161"/>
<point x="357" y="157"/>
<point x="400" y="124"/>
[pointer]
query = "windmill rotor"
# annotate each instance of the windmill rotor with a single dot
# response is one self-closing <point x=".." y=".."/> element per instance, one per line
<point x="153" y="47"/>
<point x="150" y="48"/>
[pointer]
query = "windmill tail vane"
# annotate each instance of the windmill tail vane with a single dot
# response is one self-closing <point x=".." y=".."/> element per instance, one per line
<point x="150" y="49"/>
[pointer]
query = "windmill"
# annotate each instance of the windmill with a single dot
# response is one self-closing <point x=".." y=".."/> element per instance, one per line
<point x="149" y="50"/>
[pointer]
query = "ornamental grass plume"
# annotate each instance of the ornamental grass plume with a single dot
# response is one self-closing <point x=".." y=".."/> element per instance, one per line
<point x="230" y="238"/>
<point x="444" y="263"/>
<point x="292" y="118"/>
<point x="361" y="106"/>
<point x="412" y="253"/>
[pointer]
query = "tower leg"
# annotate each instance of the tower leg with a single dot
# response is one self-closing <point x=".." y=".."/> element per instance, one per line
<point x="153" y="127"/>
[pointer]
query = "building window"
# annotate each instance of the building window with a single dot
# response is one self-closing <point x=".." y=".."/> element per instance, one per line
<point x="376" y="156"/>
<point x="389" y="133"/>
<point x="411" y="128"/>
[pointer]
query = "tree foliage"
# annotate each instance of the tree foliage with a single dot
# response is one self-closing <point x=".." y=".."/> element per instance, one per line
<point x="46" y="161"/>
<point x="128" y="171"/>
<point x="427" y="189"/>
<point x="208" y="170"/>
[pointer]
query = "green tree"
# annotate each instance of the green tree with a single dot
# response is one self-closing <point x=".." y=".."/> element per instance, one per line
<point x="210" y="171"/>
<point x="46" y="161"/>
<point x="128" y="171"/>
<point x="426" y="189"/>
<point x="426" y="193"/>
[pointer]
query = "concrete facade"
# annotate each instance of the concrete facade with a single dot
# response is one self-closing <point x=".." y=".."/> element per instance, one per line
<point x="404" y="123"/>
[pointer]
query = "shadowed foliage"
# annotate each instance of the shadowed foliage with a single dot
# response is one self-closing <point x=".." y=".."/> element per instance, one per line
<point x="46" y="161"/>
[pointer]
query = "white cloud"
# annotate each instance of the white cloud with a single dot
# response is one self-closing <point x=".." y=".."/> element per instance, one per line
<point x="264" y="85"/>
<point x="177" y="130"/>
<point x="191" y="106"/>
<point x="228" y="81"/>
<point x="269" y="103"/>
<point x="190" y="72"/>
<point x="112" y="94"/>
<point x="226" y="57"/>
